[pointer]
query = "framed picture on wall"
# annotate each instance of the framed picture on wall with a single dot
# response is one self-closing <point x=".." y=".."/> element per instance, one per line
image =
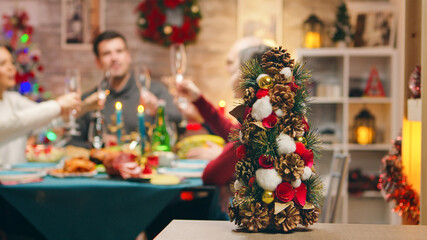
<point x="374" y="24"/>
<point x="260" y="18"/>
<point x="81" y="21"/>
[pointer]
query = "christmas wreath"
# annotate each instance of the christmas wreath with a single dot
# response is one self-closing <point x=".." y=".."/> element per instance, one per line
<point x="166" y="22"/>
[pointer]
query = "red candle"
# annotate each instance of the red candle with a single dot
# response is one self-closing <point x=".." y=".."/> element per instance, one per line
<point x="221" y="107"/>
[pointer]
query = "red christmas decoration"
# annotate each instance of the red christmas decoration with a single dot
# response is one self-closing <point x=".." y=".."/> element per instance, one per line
<point x="241" y="151"/>
<point x="262" y="93"/>
<point x="300" y="195"/>
<point x="374" y="87"/>
<point x="285" y="192"/>
<point x="305" y="154"/>
<point x="265" y="162"/>
<point x="395" y="186"/>
<point x="166" y="22"/>
<point x="270" y="121"/>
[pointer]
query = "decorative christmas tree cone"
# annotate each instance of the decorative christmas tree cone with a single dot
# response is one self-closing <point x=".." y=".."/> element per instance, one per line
<point x="275" y="187"/>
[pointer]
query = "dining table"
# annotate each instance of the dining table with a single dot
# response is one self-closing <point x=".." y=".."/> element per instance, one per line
<point x="98" y="207"/>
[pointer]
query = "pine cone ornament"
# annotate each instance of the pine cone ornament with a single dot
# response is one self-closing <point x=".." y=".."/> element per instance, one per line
<point x="287" y="219"/>
<point x="309" y="216"/>
<point x="291" y="124"/>
<point x="233" y="212"/>
<point x="290" y="167"/>
<point x="250" y="96"/>
<point x="281" y="78"/>
<point x="282" y="97"/>
<point x="248" y="131"/>
<point x="245" y="169"/>
<point x="256" y="217"/>
<point x="275" y="60"/>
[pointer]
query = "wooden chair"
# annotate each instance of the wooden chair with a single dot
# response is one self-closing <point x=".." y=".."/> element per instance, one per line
<point x="335" y="186"/>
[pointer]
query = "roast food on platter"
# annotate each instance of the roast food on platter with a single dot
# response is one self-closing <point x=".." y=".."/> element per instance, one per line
<point x="75" y="167"/>
<point x="43" y="153"/>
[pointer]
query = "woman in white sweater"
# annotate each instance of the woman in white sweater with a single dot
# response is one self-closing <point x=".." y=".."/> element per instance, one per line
<point x="19" y="115"/>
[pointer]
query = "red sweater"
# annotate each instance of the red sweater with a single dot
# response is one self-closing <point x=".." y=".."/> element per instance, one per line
<point x="219" y="171"/>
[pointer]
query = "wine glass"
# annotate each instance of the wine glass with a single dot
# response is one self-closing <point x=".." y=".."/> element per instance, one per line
<point x="142" y="78"/>
<point x="97" y="131"/>
<point x="103" y="88"/>
<point x="178" y="62"/>
<point x="72" y="84"/>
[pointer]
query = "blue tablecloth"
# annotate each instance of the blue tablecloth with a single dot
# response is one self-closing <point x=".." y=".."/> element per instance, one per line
<point x="91" y="208"/>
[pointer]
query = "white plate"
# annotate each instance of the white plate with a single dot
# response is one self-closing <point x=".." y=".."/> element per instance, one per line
<point x="181" y="172"/>
<point x="191" y="163"/>
<point x="19" y="175"/>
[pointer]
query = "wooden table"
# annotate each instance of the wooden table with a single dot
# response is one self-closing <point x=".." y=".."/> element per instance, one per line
<point x="206" y="230"/>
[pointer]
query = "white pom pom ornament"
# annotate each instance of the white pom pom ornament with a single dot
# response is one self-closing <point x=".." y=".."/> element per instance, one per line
<point x="237" y="185"/>
<point x="287" y="72"/>
<point x="285" y="144"/>
<point x="296" y="183"/>
<point x="279" y="112"/>
<point x="307" y="173"/>
<point x="268" y="179"/>
<point x="262" y="108"/>
<point x="241" y="137"/>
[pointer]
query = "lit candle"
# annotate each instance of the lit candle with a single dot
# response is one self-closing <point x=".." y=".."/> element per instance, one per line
<point x="364" y="135"/>
<point x="141" y="121"/>
<point x="141" y="127"/>
<point x="221" y="107"/>
<point x="118" y="120"/>
<point x="312" y="40"/>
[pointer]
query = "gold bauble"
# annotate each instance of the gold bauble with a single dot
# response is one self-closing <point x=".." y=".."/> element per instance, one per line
<point x="301" y="140"/>
<point x="267" y="197"/>
<point x="141" y="21"/>
<point x="195" y="9"/>
<point x="265" y="81"/>
<point x="167" y="30"/>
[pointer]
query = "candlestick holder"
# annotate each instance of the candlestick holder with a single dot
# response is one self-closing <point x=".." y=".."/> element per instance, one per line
<point x="114" y="128"/>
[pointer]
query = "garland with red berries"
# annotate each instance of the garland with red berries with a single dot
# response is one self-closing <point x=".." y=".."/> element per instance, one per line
<point x="396" y="187"/>
<point x="166" y="22"/>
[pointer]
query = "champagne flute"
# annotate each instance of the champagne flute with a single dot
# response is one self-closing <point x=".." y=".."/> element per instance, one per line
<point x="72" y="84"/>
<point x="103" y="88"/>
<point x="178" y="62"/>
<point x="143" y="80"/>
<point x="96" y="132"/>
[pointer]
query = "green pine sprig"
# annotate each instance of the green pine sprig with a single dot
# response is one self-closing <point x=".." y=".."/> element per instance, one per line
<point x="265" y="142"/>
<point x="315" y="189"/>
<point x="250" y="70"/>
<point x="302" y="95"/>
<point x="301" y="74"/>
<point x="302" y="100"/>
<point x="313" y="142"/>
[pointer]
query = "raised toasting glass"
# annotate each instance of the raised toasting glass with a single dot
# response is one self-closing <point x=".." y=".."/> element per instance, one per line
<point x="142" y="79"/>
<point x="72" y="84"/>
<point x="178" y="61"/>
